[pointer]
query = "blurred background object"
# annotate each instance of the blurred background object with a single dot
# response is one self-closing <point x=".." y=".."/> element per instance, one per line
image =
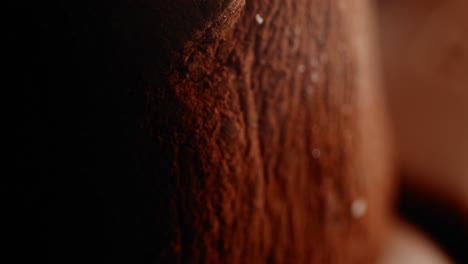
<point x="407" y="245"/>
<point x="425" y="61"/>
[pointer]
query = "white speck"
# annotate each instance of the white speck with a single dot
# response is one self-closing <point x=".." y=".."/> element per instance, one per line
<point x="297" y="31"/>
<point x="314" y="77"/>
<point x="301" y="68"/>
<point x="316" y="153"/>
<point x="323" y="58"/>
<point x="314" y="62"/>
<point x="358" y="208"/>
<point x="259" y="19"/>
<point x="309" y="90"/>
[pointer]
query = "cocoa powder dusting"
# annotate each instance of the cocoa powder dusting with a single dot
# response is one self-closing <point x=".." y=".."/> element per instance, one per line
<point x="262" y="168"/>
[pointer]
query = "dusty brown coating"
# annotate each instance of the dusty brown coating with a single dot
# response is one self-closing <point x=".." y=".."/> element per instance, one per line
<point x="255" y="129"/>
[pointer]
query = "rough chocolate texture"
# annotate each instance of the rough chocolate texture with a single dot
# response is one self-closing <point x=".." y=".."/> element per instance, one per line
<point x="188" y="132"/>
<point x="255" y="126"/>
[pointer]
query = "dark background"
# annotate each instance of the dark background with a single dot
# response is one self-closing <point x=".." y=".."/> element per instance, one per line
<point x="79" y="188"/>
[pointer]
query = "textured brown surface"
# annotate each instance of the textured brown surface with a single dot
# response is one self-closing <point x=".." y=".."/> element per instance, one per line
<point x="256" y="135"/>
